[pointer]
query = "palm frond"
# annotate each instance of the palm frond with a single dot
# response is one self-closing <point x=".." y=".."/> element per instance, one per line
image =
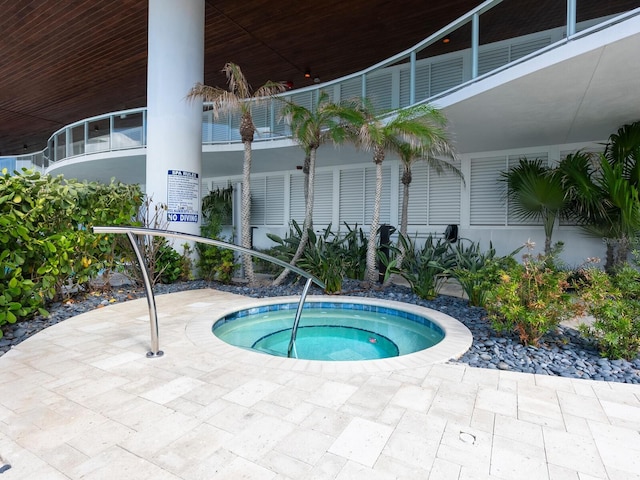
<point x="624" y="147"/>
<point x="535" y="192"/>
<point x="268" y="90"/>
<point x="236" y="80"/>
<point x="578" y="172"/>
<point x="205" y="92"/>
<point x="222" y="101"/>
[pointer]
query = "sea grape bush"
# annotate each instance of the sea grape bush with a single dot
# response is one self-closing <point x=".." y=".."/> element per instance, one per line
<point x="530" y="299"/>
<point x="46" y="237"/>
<point x="614" y="302"/>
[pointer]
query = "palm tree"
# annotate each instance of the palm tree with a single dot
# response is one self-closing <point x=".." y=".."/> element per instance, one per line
<point x="604" y="198"/>
<point x="311" y="128"/>
<point x="536" y="192"/>
<point x="427" y="152"/>
<point x="415" y="126"/>
<point x="236" y="99"/>
<point x="624" y="148"/>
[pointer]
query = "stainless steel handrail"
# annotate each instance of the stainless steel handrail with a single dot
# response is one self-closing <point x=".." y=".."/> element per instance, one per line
<point x="296" y="322"/>
<point x="153" y="316"/>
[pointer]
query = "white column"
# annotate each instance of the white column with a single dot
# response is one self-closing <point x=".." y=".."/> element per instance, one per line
<point x="174" y="124"/>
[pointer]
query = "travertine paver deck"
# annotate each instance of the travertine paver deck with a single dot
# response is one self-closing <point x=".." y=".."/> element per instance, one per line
<point x="80" y="400"/>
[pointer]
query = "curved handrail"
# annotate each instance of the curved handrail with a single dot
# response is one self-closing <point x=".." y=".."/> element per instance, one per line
<point x="153" y="316"/>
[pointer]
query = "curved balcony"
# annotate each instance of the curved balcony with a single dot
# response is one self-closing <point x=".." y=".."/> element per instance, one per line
<point x="426" y="72"/>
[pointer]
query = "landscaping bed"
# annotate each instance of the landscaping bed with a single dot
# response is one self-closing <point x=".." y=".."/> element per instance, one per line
<point x="562" y="352"/>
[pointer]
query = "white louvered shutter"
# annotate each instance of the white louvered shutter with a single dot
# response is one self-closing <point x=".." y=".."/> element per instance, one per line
<point x="487" y="192"/>
<point x="444" y="197"/>
<point x="352" y="196"/>
<point x="275" y="200"/>
<point x="258" y="200"/>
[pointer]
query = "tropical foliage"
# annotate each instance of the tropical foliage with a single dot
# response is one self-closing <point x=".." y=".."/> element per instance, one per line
<point x="602" y="191"/>
<point x="425" y="268"/>
<point x="235" y="100"/>
<point x="536" y="192"/>
<point x="311" y="128"/>
<point x="331" y="256"/>
<point x="46" y="237"/>
<point x="215" y="263"/>
<point x="419" y="127"/>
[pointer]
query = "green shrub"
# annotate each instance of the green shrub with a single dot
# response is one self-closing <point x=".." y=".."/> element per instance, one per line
<point x="530" y="299"/>
<point x="329" y="256"/>
<point x="325" y="259"/>
<point x="426" y="268"/>
<point x="215" y="263"/>
<point x="186" y="262"/>
<point x="18" y="297"/>
<point x="477" y="271"/>
<point x="46" y="237"/>
<point x="614" y="302"/>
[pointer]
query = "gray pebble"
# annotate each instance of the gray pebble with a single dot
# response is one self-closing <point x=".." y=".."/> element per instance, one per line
<point x="563" y="352"/>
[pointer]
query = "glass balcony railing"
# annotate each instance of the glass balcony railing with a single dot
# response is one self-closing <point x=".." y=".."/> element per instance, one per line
<point x="427" y="71"/>
<point x="115" y="131"/>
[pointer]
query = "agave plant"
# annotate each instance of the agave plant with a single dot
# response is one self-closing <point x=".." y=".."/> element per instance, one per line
<point x="424" y="268"/>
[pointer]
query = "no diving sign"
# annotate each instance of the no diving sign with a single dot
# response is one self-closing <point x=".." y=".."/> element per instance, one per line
<point x="183" y="196"/>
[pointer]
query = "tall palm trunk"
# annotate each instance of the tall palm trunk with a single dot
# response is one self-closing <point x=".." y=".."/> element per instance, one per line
<point x="308" y="215"/>
<point x="233" y="101"/>
<point x="372" y="244"/>
<point x="247" y="130"/>
<point x="549" y="222"/>
<point x="406" y="179"/>
<point x="404" y="216"/>
<point x="305" y="170"/>
<point x="404" y="220"/>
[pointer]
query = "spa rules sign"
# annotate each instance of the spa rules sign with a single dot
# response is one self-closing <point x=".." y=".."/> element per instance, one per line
<point x="183" y="196"/>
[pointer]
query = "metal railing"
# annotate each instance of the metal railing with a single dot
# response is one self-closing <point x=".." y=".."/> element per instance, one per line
<point x="400" y="81"/>
<point x="153" y="315"/>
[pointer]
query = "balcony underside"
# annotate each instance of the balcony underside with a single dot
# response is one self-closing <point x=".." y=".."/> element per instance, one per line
<point x="579" y="92"/>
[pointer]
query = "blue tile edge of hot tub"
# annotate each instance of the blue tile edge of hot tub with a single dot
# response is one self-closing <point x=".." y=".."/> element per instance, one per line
<point x="334" y="306"/>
